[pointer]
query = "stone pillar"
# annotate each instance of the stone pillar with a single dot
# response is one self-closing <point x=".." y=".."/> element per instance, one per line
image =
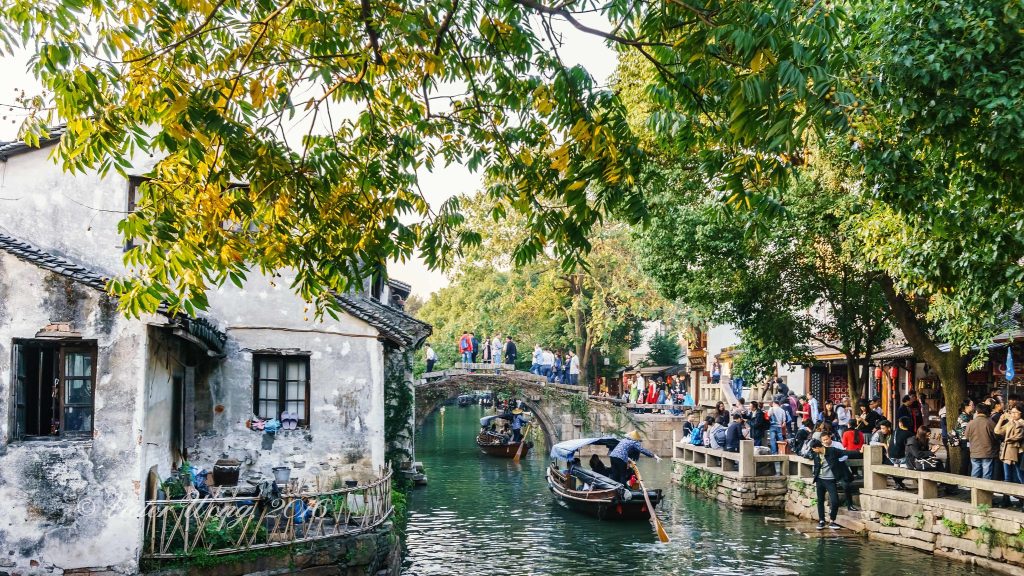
<point x="747" y="467"/>
<point x="872" y="480"/>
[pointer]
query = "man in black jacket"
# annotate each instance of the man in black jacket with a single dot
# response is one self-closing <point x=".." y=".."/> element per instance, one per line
<point x="734" y="434"/>
<point x="830" y="469"/>
<point x="758" y="423"/>
<point x="510" y="351"/>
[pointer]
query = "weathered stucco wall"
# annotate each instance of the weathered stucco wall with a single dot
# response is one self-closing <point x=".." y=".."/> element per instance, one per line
<point x="75" y="215"/>
<point x="346" y="432"/>
<point x="71" y="503"/>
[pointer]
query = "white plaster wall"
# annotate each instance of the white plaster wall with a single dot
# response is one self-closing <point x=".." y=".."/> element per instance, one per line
<point x="719" y="337"/>
<point x="793" y="374"/>
<point x="346" y="431"/>
<point x="72" y="504"/>
<point x="74" y="215"/>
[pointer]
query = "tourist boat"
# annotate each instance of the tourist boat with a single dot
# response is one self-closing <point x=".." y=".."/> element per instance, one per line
<point x="486" y="398"/>
<point x="591" y="492"/>
<point x="494" y="443"/>
<point x="467" y="400"/>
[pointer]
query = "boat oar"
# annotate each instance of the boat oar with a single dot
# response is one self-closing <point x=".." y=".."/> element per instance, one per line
<point x="522" y="443"/>
<point x="658" y="528"/>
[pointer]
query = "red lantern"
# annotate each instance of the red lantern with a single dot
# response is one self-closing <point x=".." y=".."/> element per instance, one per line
<point x="878" y="373"/>
<point x="894" y="372"/>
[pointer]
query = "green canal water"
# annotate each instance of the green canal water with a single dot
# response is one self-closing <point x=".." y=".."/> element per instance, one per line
<point x="484" y="516"/>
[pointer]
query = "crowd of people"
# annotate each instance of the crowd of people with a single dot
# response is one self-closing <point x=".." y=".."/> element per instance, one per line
<point x="558" y="366"/>
<point x="670" y="390"/>
<point x="989" y="434"/>
<point x="494" y="349"/>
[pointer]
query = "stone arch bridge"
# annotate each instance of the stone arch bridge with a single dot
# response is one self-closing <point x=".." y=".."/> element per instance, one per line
<point x="562" y="412"/>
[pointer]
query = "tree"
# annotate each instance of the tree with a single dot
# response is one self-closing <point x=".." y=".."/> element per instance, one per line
<point x="940" y="145"/>
<point x="587" y="308"/>
<point x="665" y="349"/>
<point x="327" y="111"/>
<point x="413" y="304"/>
<point x="931" y="147"/>
<point x="788" y="285"/>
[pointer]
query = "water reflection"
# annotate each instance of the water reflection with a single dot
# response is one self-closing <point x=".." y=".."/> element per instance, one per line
<point x="483" y="515"/>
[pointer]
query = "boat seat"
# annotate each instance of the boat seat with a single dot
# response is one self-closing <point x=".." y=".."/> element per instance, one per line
<point x="596" y="480"/>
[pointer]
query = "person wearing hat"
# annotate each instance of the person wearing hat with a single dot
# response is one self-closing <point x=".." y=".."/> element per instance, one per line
<point x="517" y="425"/>
<point x="627" y="449"/>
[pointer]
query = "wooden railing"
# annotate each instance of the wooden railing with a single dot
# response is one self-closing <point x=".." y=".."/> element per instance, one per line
<point x="876" y="473"/>
<point x="223" y="525"/>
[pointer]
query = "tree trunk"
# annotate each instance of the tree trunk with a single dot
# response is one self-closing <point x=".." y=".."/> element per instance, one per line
<point x="852" y="380"/>
<point x="949" y="366"/>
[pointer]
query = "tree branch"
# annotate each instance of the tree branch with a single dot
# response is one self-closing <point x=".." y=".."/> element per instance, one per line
<point x="562" y="12"/>
<point x="196" y="32"/>
<point x="364" y="12"/>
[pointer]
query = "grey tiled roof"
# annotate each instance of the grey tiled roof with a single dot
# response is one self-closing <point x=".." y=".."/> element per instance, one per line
<point x="28" y="253"/>
<point x="392" y="323"/>
<point x="13" y="148"/>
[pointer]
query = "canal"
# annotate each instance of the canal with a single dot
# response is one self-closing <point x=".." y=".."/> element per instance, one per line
<point x="483" y="516"/>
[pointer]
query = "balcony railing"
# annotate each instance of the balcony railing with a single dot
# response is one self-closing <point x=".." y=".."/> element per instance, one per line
<point x="225" y="525"/>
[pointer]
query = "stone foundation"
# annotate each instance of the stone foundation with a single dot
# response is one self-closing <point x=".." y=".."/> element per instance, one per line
<point x="759" y="493"/>
<point x="988" y="537"/>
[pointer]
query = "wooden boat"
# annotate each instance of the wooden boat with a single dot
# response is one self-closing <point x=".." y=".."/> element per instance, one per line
<point x="494" y="443"/>
<point x="592" y="493"/>
<point x="466" y="400"/>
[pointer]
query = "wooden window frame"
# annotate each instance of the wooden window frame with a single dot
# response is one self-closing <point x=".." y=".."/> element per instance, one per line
<point x="281" y="360"/>
<point x="61" y="348"/>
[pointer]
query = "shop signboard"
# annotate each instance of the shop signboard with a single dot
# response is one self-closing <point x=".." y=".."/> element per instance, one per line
<point x="697" y="362"/>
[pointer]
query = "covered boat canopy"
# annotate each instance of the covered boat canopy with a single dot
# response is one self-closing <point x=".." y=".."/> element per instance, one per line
<point x="486" y="420"/>
<point x="565" y="450"/>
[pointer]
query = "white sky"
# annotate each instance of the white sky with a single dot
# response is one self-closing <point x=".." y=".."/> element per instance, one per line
<point x="438" y="186"/>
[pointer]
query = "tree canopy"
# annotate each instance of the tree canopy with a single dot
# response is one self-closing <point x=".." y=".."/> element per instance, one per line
<point x="379" y="92"/>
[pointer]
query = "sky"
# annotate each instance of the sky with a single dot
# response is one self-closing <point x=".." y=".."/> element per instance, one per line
<point x="438" y="186"/>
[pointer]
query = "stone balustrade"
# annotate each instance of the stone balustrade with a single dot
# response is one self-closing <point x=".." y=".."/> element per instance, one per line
<point x="945" y="514"/>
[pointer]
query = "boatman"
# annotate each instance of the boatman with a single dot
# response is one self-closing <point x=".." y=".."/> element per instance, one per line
<point x="517" y="425"/>
<point x="627" y="449"/>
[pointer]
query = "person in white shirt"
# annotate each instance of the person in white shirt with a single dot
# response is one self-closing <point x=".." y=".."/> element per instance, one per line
<point x="547" y="360"/>
<point x="815" y="410"/>
<point x="538" y="355"/>
<point x="497" y="349"/>
<point x="574" y="369"/>
<point x="842" y="417"/>
<point x="430" y="356"/>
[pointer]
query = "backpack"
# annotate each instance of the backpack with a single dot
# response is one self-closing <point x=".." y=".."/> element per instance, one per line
<point x="697" y="436"/>
<point x="720" y="436"/>
<point x="805" y="449"/>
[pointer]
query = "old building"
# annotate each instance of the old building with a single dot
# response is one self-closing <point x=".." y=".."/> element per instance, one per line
<point x="97" y="408"/>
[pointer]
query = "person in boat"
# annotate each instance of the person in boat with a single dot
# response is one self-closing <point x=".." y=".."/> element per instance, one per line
<point x="517" y="425"/>
<point x="628" y="448"/>
<point x="598" y="466"/>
